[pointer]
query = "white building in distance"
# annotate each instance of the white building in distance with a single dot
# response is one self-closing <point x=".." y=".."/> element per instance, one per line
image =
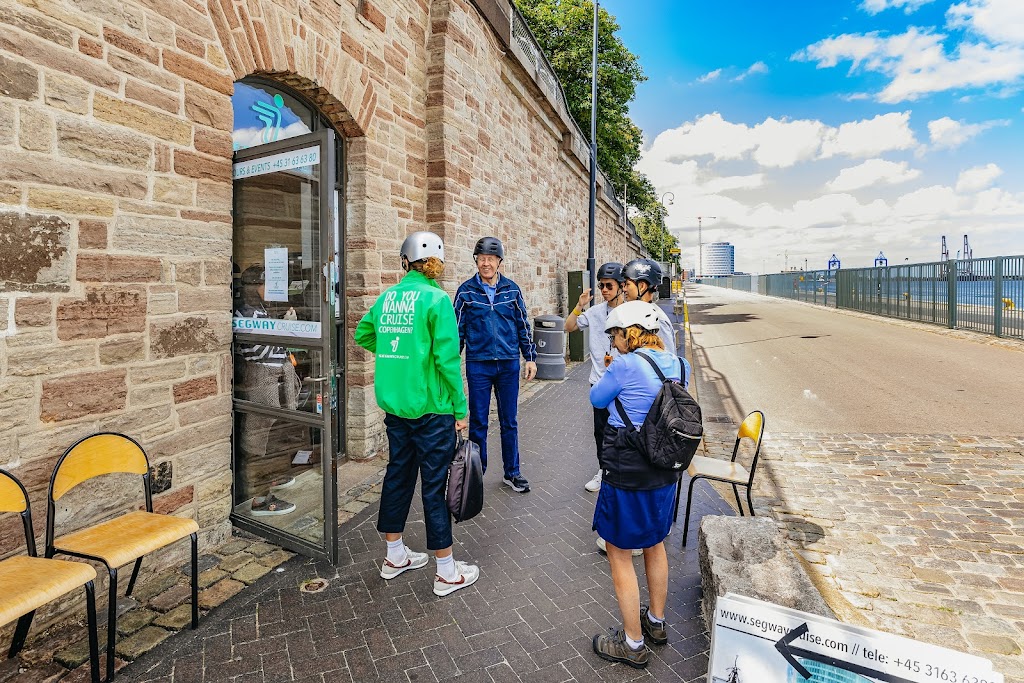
<point x="718" y="259"/>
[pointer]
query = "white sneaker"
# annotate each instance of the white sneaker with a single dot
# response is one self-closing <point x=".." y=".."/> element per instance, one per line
<point x="594" y="485"/>
<point x="603" y="547"/>
<point x="468" y="574"/>
<point x="413" y="560"/>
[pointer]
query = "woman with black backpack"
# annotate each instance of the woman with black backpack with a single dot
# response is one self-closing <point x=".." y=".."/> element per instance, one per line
<point x="634" y="507"/>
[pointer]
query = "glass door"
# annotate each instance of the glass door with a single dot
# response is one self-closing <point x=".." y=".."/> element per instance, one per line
<point x="285" y="346"/>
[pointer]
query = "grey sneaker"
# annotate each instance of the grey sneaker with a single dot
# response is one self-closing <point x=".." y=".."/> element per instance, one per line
<point x="414" y="560"/>
<point x="517" y="484"/>
<point x="656" y="633"/>
<point x="468" y="574"/>
<point x="613" y="647"/>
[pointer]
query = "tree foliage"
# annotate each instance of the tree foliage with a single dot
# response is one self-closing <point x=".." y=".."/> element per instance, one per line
<point x="564" y="30"/>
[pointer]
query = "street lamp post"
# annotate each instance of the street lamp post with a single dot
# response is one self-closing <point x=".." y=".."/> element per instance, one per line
<point x="700" y="245"/>
<point x="592" y="234"/>
<point x="663" y="240"/>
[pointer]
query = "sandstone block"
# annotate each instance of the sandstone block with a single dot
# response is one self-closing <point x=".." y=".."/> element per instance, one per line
<point x="196" y="299"/>
<point x="213" y="142"/>
<point x="188" y="335"/>
<point x="70" y="202"/>
<point x="199" y="166"/>
<point x="44" y="53"/>
<point x="750" y="556"/>
<point x="163" y="371"/>
<point x="174" y="501"/>
<point x="7" y="127"/>
<point x="165" y="237"/>
<point x="208" y="108"/>
<point x="131" y="44"/>
<point x="180" y="191"/>
<point x="35" y="168"/>
<point x="144" y="71"/>
<point x="18" y="80"/>
<point x="142" y="119"/>
<point x="197" y="71"/>
<point x="48" y="360"/>
<point x="92" y="234"/>
<point x="103" y="312"/>
<point x="200" y="411"/>
<point x="171" y="598"/>
<point x="139" y="422"/>
<point x="219" y="593"/>
<point x="195" y="389"/>
<point x="133" y="621"/>
<point x="67" y="93"/>
<point x="142" y="642"/>
<point x="178" y="618"/>
<point x="117" y="268"/>
<point x="154" y="97"/>
<point x="250" y="573"/>
<point x="85" y="393"/>
<point x="149" y="395"/>
<point x="36" y="130"/>
<point x="33" y="312"/>
<point x="101" y="144"/>
<point x="34" y="252"/>
<point x="216" y="272"/>
<point x="17" y="404"/>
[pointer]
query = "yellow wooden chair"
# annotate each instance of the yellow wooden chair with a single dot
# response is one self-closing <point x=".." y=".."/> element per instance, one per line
<point x="125" y="538"/>
<point x="29" y="582"/>
<point x="728" y="471"/>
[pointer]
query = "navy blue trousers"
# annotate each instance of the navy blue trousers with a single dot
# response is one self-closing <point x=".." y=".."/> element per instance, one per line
<point x="501" y="376"/>
<point x="424" y="445"/>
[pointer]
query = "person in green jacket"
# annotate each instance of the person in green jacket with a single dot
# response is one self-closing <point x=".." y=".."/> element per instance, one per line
<point x="412" y="331"/>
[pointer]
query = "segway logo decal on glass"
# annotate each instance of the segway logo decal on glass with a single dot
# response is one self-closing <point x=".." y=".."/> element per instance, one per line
<point x="270" y="115"/>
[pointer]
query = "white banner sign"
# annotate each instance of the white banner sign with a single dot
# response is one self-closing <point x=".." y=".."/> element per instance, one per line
<point x="277" y="327"/>
<point x="275" y="262"/>
<point x="758" y="642"/>
<point x="285" y="161"/>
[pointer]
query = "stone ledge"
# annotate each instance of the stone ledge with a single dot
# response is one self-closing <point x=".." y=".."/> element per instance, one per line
<point x="750" y="556"/>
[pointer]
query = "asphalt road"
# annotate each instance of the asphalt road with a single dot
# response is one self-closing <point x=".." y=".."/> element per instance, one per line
<point x="811" y="369"/>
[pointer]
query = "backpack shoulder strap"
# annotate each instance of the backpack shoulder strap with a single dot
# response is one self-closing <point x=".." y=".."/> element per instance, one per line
<point x="654" y="364"/>
<point x="622" y="413"/>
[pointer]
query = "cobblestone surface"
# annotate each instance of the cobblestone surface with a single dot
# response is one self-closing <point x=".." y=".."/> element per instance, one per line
<point x="544" y="591"/>
<point x="923" y="536"/>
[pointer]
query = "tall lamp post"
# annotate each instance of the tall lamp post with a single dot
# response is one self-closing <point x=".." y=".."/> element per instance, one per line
<point x="663" y="234"/>
<point x="592" y="235"/>
<point x="700" y="245"/>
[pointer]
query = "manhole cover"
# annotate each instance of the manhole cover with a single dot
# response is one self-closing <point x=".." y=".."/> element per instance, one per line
<point x="313" y="586"/>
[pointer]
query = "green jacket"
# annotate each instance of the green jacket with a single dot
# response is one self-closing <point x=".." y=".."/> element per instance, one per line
<point x="412" y="330"/>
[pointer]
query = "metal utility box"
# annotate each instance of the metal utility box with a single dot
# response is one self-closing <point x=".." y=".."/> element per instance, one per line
<point x="549" y="336"/>
<point x="579" y="341"/>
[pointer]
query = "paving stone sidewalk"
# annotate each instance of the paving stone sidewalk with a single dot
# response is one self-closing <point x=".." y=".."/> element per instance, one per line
<point x="543" y="593"/>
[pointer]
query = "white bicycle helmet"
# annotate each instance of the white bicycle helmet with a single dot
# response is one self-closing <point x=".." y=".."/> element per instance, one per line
<point x="421" y="245"/>
<point x="634" y="313"/>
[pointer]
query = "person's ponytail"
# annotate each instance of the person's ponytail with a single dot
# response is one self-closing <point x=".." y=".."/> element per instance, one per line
<point x="431" y="267"/>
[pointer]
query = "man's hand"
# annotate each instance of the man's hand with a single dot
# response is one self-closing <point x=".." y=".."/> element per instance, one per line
<point x="531" y="370"/>
<point x="584" y="299"/>
<point x="463" y="424"/>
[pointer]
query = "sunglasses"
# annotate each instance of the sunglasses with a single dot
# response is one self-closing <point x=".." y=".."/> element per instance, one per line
<point x="605" y="285"/>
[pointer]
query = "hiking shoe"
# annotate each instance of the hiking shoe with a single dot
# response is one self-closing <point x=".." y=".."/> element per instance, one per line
<point x="271" y="505"/>
<point x="468" y="574"/>
<point x="603" y="547"/>
<point x="594" y="485"/>
<point x="517" y="484"/>
<point x="613" y="647"/>
<point x="656" y="633"/>
<point x="413" y="560"/>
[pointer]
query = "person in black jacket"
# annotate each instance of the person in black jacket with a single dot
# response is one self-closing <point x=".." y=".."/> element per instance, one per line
<point x="494" y="329"/>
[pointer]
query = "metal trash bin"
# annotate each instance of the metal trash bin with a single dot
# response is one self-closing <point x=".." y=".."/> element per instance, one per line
<point x="549" y="336"/>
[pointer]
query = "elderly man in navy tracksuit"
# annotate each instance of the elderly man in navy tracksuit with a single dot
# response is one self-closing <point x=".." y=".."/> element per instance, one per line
<point x="495" y="330"/>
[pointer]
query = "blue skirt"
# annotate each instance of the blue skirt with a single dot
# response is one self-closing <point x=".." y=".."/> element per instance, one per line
<point x="634" y="519"/>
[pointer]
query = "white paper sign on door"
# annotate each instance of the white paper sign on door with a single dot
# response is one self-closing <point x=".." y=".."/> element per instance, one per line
<point x="275" y="260"/>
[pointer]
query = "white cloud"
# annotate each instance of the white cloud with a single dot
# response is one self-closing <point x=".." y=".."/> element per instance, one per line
<point x="988" y="53"/>
<point x="946" y="133"/>
<point x="870" y="137"/>
<point x="876" y="6"/>
<point x="977" y="178"/>
<point x="709" y="76"/>
<point x="755" y="68"/>
<point x="872" y="172"/>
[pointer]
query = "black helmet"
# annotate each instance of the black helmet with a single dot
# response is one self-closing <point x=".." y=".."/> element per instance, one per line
<point x="610" y="271"/>
<point x="254" y="275"/>
<point x="643" y="270"/>
<point x="489" y="245"/>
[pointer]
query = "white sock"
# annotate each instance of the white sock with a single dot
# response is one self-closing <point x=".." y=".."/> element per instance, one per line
<point x="446" y="568"/>
<point x="396" y="552"/>
<point x="655" y="620"/>
<point x="634" y="644"/>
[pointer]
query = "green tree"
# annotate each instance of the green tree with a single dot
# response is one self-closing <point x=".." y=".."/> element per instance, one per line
<point x="564" y="31"/>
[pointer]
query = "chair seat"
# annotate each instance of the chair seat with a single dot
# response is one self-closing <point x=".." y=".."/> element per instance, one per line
<point x="128" y="537"/>
<point x="722" y="470"/>
<point x="31" y="582"/>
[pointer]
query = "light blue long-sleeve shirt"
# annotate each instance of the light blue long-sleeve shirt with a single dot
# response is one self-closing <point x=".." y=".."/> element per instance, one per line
<point x="635" y="383"/>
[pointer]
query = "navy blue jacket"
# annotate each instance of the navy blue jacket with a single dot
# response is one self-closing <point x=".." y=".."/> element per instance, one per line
<point x="498" y="331"/>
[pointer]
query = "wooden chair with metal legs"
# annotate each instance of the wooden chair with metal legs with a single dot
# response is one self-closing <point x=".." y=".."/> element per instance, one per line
<point x="29" y="582"/>
<point x="125" y="538"/>
<point x="727" y="471"/>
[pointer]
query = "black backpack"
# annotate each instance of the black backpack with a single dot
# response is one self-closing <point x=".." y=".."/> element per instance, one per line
<point x="465" y="491"/>
<point x="672" y="430"/>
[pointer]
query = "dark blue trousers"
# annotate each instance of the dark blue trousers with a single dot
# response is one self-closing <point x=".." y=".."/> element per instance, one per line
<point x="503" y="377"/>
<point x="425" y="445"/>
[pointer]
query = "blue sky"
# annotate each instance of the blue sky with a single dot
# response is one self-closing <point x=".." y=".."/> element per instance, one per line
<point x="833" y="126"/>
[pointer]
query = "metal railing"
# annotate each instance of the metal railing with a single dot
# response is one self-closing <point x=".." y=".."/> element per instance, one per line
<point x="983" y="295"/>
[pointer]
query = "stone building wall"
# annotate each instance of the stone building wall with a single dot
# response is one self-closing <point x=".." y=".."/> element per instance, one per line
<point x="116" y="198"/>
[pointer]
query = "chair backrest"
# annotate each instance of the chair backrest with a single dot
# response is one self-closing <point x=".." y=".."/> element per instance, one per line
<point x="14" y="498"/>
<point x="95" y="455"/>
<point x="751" y="428"/>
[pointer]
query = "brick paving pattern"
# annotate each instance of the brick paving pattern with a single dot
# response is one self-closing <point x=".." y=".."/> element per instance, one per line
<point x="922" y="535"/>
<point x="543" y="593"/>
